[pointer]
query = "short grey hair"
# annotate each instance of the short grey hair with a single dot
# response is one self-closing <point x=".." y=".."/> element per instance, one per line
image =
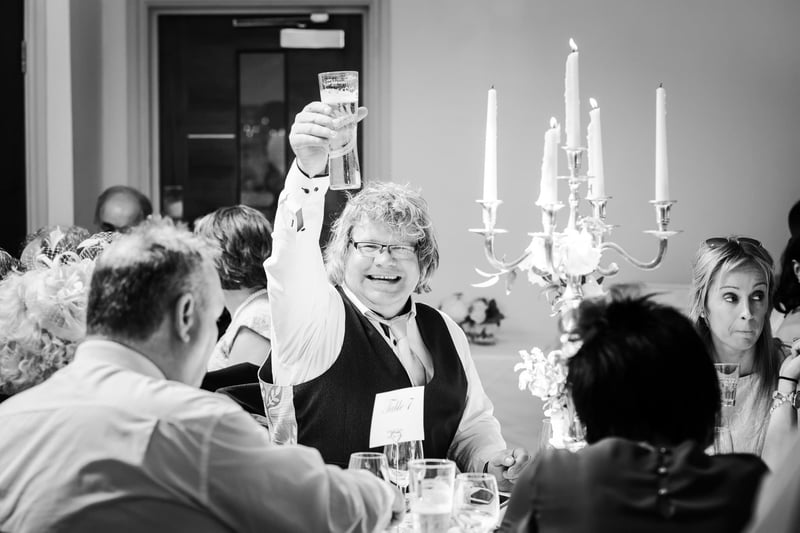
<point x="140" y="276"/>
<point x="401" y="209"/>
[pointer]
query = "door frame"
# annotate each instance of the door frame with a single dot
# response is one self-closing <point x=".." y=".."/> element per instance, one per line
<point x="144" y="106"/>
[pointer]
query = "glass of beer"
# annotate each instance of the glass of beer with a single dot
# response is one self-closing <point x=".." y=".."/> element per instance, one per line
<point x="430" y="494"/>
<point x="340" y="91"/>
<point x="728" y="375"/>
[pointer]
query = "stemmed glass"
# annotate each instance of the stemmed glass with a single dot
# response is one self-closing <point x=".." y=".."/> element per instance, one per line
<point x="476" y="504"/>
<point x="372" y="462"/>
<point x="398" y="455"/>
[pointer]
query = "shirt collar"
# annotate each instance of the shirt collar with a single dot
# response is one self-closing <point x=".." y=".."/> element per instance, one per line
<point x="117" y="354"/>
<point x="364" y="310"/>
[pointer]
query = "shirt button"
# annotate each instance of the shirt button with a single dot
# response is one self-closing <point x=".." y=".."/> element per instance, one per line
<point x="662" y="492"/>
<point x="662" y="470"/>
<point x="662" y="450"/>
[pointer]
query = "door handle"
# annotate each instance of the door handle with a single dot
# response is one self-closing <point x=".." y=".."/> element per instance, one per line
<point x="198" y="136"/>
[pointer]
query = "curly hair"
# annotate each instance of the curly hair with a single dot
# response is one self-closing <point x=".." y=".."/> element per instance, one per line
<point x="399" y="208"/>
<point x="787" y="295"/>
<point x="244" y="237"/>
<point x="42" y="319"/>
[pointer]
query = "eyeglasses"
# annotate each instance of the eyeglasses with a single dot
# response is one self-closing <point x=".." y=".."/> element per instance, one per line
<point x="374" y="249"/>
<point x="716" y="242"/>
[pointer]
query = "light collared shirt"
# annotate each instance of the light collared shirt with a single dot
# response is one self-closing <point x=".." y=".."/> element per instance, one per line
<point x="109" y="444"/>
<point x="308" y="318"/>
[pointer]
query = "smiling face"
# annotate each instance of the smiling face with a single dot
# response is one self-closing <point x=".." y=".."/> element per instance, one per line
<point x="383" y="283"/>
<point x="736" y="308"/>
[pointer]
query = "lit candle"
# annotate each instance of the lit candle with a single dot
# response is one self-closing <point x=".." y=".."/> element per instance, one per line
<point x="662" y="171"/>
<point x="490" y="154"/>
<point x="548" y="187"/>
<point x="572" y="98"/>
<point x="594" y="140"/>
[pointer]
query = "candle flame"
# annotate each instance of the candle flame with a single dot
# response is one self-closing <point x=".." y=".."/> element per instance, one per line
<point x="553" y="122"/>
<point x="573" y="45"/>
<point x="593" y="103"/>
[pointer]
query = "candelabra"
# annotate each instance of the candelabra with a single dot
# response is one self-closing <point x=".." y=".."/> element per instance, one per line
<point x="545" y="376"/>
<point x="556" y="272"/>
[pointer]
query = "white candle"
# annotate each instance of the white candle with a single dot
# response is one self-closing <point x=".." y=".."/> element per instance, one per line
<point x="572" y="98"/>
<point x="490" y="152"/>
<point x="594" y="140"/>
<point x="662" y="170"/>
<point x="548" y="187"/>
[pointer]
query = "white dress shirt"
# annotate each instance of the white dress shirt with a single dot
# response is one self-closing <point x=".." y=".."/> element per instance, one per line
<point x="308" y="318"/>
<point x="108" y="444"/>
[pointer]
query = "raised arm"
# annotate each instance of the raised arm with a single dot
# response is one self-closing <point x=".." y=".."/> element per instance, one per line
<point x="307" y="313"/>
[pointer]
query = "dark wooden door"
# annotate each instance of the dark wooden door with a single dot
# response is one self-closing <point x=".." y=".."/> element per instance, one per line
<point x="12" y="128"/>
<point x="228" y="94"/>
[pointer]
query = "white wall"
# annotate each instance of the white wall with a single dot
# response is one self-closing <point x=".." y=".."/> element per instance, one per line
<point x="731" y="69"/>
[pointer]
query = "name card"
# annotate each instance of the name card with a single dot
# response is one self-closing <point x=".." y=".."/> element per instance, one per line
<point x="397" y="416"/>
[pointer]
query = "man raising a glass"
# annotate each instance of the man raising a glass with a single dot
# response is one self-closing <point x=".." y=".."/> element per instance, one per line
<point x="348" y="327"/>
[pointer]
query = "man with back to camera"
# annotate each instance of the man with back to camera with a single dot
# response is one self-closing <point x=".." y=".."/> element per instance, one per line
<point x="122" y="440"/>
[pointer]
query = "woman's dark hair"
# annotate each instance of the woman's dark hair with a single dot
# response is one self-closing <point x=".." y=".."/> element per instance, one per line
<point x="642" y="373"/>
<point x="787" y="293"/>
<point x="244" y="236"/>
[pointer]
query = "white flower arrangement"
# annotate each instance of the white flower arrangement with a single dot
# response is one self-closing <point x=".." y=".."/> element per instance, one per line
<point x="545" y="375"/>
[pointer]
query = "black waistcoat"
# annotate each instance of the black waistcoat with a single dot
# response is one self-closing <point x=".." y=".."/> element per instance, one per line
<point x="334" y="410"/>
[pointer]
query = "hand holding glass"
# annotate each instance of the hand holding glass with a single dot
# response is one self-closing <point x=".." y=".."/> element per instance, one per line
<point x="476" y="504"/>
<point x="340" y="91"/>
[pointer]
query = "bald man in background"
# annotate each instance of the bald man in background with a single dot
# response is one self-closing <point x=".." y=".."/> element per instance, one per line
<point x="119" y="208"/>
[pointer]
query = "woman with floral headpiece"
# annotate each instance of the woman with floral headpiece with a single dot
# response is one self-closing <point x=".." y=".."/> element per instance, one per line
<point x="42" y="319"/>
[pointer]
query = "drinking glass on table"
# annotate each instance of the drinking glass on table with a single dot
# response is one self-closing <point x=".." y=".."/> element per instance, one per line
<point x="340" y="91"/>
<point x="430" y="494"/>
<point x="476" y="503"/>
<point x="728" y="375"/>
<point x="374" y="462"/>
<point x="398" y="454"/>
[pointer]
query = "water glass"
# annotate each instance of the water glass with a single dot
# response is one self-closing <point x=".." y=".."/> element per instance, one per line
<point x="728" y="375"/>
<point x="340" y="91"/>
<point x="723" y="441"/>
<point x="476" y="503"/>
<point x="430" y="494"/>
<point x="373" y="462"/>
<point x="398" y="455"/>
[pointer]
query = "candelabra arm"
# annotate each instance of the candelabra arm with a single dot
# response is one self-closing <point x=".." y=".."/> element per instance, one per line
<point x="610" y="270"/>
<point x="499" y="264"/>
<point x="649" y="265"/>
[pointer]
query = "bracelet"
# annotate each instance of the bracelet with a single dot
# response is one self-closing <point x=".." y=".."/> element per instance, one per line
<point x="796" y="382"/>
<point x="777" y="403"/>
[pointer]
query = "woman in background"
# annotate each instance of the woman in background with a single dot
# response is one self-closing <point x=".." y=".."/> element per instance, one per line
<point x="244" y="237"/>
<point x="731" y="296"/>
<point x="42" y="320"/>
<point x="643" y="383"/>
<point x="787" y="295"/>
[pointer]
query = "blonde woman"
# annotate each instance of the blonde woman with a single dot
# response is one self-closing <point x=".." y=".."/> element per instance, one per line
<point x="732" y="287"/>
<point x="42" y="319"/>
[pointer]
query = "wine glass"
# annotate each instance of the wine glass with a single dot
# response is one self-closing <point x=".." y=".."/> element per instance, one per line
<point x="476" y="503"/>
<point x="398" y="455"/>
<point x="374" y="462"/>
